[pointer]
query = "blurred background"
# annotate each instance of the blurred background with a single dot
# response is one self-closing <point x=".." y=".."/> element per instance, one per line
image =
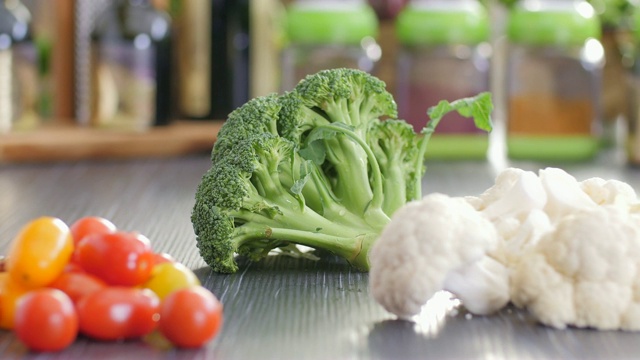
<point x="562" y="72"/>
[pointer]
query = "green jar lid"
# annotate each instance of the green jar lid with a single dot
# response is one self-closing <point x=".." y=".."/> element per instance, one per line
<point x="339" y="24"/>
<point x="553" y="22"/>
<point x="442" y="22"/>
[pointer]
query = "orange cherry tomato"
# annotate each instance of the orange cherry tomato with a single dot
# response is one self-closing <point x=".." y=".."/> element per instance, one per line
<point x="77" y="284"/>
<point x="40" y="252"/>
<point x="10" y="292"/>
<point x="190" y="317"/>
<point x="46" y="320"/>
<point x="90" y="225"/>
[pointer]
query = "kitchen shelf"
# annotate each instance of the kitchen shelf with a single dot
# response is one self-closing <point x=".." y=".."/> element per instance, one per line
<point x="66" y="142"/>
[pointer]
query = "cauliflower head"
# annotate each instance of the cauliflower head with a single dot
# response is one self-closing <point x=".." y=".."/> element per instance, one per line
<point x="584" y="273"/>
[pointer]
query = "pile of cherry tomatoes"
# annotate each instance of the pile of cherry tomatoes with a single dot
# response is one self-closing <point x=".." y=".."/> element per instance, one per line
<point x="94" y="280"/>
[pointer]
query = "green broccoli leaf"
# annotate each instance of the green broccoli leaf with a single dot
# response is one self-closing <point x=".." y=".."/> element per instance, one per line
<point x="478" y="107"/>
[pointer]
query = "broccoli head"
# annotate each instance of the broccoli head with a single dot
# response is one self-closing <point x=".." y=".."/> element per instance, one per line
<point x="319" y="166"/>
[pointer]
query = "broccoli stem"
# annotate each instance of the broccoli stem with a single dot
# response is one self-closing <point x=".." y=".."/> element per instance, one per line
<point x="332" y="209"/>
<point x="284" y="215"/>
<point x="347" y="158"/>
<point x="419" y="160"/>
<point x="395" y="187"/>
<point x="354" y="249"/>
<point x="373" y="213"/>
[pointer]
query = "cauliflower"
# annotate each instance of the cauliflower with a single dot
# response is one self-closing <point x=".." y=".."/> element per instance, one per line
<point x="609" y="192"/>
<point x="421" y="250"/>
<point x="564" y="195"/>
<point x="567" y="251"/>
<point x="584" y="273"/>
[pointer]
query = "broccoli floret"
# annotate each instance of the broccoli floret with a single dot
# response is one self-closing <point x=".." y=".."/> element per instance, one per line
<point x="242" y="206"/>
<point x="354" y="100"/>
<point x="317" y="166"/>
<point x="395" y="146"/>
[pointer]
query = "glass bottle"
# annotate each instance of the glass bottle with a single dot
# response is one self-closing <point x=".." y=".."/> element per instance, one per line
<point x="553" y="80"/>
<point x="445" y="55"/>
<point x="18" y="69"/>
<point x="325" y="34"/>
<point x="131" y="67"/>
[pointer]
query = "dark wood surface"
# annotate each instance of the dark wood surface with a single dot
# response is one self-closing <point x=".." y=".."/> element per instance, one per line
<point x="286" y="308"/>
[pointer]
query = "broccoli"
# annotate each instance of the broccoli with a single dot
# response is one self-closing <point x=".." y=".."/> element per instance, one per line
<point x="324" y="166"/>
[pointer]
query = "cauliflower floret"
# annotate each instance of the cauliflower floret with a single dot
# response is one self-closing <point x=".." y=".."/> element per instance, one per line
<point x="503" y="182"/>
<point x="584" y="272"/>
<point x="514" y="204"/>
<point x="517" y="237"/>
<point x="482" y="286"/>
<point x="564" y="195"/>
<point x="425" y="241"/>
<point x="609" y="192"/>
<point x="515" y="194"/>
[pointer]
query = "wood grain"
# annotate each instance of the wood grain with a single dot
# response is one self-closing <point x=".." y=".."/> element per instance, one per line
<point x="68" y="143"/>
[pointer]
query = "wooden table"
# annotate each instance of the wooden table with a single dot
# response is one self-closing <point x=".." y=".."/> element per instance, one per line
<point x="285" y="308"/>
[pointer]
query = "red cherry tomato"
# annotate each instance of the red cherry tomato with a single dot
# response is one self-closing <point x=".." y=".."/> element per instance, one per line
<point x="114" y="313"/>
<point x="73" y="267"/>
<point x="190" y="317"/>
<point x="46" y="320"/>
<point x="120" y="258"/>
<point x="161" y="258"/>
<point x="77" y="284"/>
<point x="90" y="225"/>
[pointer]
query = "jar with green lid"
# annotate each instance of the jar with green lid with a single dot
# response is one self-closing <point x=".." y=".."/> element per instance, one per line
<point x="553" y="80"/>
<point x="326" y="34"/>
<point x="444" y="55"/>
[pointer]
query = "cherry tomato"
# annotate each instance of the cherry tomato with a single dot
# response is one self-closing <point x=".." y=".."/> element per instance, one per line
<point x="190" y="317"/>
<point x="72" y="267"/>
<point x="161" y="258"/>
<point x="40" y="252"/>
<point x="77" y="284"/>
<point x="46" y="320"/>
<point x="120" y="258"/>
<point x="91" y="225"/>
<point x="169" y="277"/>
<point x="10" y="292"/>
<point x="116" y="312"/>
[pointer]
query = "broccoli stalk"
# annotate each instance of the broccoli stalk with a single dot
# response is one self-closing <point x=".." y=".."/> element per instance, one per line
<point x="478" y="107"/>
<point x="314" y="167"/>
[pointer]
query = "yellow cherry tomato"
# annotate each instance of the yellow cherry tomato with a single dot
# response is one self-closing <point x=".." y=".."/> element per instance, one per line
<point x="169" y="277"/>
<point x="39" y="253"/>
<point x="10" y="292"/>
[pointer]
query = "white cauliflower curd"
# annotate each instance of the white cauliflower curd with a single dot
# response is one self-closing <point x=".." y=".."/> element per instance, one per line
<point x="410" y="262"/>
<point x="584" y="272"/>
<point x="567" y="251"/>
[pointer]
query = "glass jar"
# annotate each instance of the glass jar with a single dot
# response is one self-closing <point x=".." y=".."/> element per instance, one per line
<point x="326" y="34"/>
<point x="444" y="55"/>
<point x="18" y="69"/>
<point x="131" y="68"/>
<point x="633" y="113"/>
<point x="553" y="80"/>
